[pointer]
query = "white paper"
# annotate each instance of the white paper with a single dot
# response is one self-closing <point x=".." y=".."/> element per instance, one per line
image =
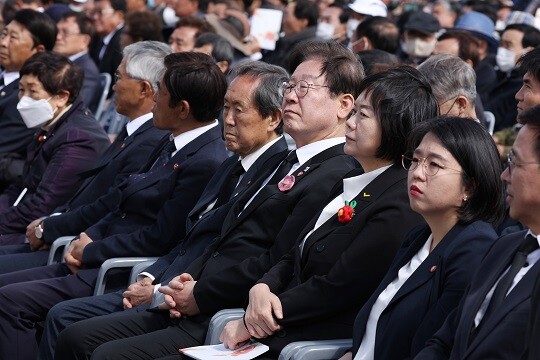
<point x="265" y="27"/>
<point x="246" y="352"/>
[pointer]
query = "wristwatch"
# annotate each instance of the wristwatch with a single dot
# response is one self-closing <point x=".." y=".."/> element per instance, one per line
<point x="38" y="231"/>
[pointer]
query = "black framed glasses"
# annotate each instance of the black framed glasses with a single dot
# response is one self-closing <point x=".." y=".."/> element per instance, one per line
<point x="301" y="88"/>
<point x="431" y="167"/>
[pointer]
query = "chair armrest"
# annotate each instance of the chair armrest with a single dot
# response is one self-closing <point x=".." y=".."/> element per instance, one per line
<point x="60" y="244"/>
<point x="316" y="350"/>
<point x="218" y="322"/>
<point x="139" y="268"/>
<point x="115" y="263"/>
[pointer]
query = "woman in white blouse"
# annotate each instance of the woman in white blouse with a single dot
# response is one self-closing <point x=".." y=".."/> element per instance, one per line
<point x="454" y="184"/>
<point x="315" y="291"/>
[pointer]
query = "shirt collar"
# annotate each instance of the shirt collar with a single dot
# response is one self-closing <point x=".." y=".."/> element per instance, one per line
<point x="352" y="185"/>
<point x="134" y="124"/>
<point x="308" y="151"/>
<point x="250" y="159"/>
<point x="185" y="138"/>
<point x="77" y="55"/>
<point x="109" y="36"/>
<point x="10" y="77"/>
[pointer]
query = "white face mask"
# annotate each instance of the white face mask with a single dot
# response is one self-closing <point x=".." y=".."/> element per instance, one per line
<point x="35" y="112"/>
<point x="418" y="48"/>
<point x="352" y="24"/>
<point x="506" y="59"/>
<point x="325" y="30"/>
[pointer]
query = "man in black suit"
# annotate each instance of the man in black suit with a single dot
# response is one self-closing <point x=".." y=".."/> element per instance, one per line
<point x="260" y="227"/>
<point x="108" y="16"/>
<point x="75" y="31"/>
<point x="491" y="320"/>
<point x="255" y="136"/>
<point x="28" y="33"/>
<point x="135" y="92"/>
<point x="145" y="220"/>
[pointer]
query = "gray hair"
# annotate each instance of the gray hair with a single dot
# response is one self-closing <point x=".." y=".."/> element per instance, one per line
<point x="266" y="97"/>
<point x="144" y="61"/>
<point x="449" y="77"/>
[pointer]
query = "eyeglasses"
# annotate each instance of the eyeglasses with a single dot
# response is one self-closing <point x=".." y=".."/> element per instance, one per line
<point x="431" y="167"/>
<point x="301" y="88"/>
<point x="511" y="162"/>
<point x="101" y="12"/>
<point x="65" y="34"/>
<point x="118" y="77"/>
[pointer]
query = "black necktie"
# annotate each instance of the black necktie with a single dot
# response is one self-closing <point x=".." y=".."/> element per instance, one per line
<point x="161" y="161"/>
<point x="284" y="168"/>
<point x="528" y="245"/>
<point x="228" y="187"/>
<point x="2" y="83"/>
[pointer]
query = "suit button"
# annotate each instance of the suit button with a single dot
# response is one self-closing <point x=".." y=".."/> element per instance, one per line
<point x="182" y="252"/>
<point x="215" y="254"/>
<point x="320" y="248"/>
<point x="123" y="216"/>
<point x="282" y="333"/>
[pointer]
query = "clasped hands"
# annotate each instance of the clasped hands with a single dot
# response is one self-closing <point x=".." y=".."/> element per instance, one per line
<point x="179" y="299"/>
<point x="260" y="320"/>
<point x="73" y="257"/>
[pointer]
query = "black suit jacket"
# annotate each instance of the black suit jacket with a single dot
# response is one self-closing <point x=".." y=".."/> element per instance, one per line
<point x="322" y="288"/>
<point x="502" y="335"/>
<point x="201" y="232"/>
<point x="112" y="57"/>
<point x="533" y="334"/>
<point x="122" y="158"/>
<point x="55" y="158"/>
<point x="265" y="230"/>
<point x="14" y="135"/>
<point x="424" y="301"/>
<point x="145" y="220"/>
<point x="91" y="88"/>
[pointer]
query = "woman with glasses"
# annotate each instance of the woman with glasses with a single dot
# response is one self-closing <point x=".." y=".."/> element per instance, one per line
<point x="315" y="291"/>
<point x="454" y="183"/>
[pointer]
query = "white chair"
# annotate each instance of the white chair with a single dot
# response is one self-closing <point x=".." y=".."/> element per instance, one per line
<point x="105" y="82"/>
<point x="490" y="119"/>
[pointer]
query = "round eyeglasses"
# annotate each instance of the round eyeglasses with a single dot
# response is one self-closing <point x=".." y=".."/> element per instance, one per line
<point x="431" y="167"/>
<point x="301" y="88"/>
<point x="512" y="163"/>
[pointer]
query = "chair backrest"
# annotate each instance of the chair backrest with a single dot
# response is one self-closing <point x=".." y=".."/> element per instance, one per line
<point x="218" y="322"/>
<point x="490" y="119"/>
<point x="58" y="249"/>
<point x="105" y="82"/>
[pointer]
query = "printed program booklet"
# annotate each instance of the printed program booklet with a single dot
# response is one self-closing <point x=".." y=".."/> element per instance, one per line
<point x="249" y="351"/>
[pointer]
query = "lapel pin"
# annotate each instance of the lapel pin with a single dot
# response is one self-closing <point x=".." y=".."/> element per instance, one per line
<point x="346" y="213"/>
<point x="176" y="166"/>
<point x="306" y="169"/>
<point x="286" y="183"/>
<point x="3" y="93"/>
<point x="300" y="173"/>
<point x="366" y="195"/>
<point x="433" y="268"/>
<point x="123" y="145"/>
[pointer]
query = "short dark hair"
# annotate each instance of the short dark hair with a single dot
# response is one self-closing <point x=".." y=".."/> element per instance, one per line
<point x="468" y="45"/>
<point x="306" y="9"/>
<point x="376" y="60"/>
<point x="475" y="151"/>
<point x="55" y="72"/>
<point x="201" y="25"/>
<point x="265" y="97"/>
<point x="118" y="5"/>
<point x="531" y="117"/>
<point x="222" y="49"/>
<point x="342" y="70"/>
<point x="531" y="35"/>
<point x="345" y="10"/>
<point x="41" y="27"/>
<point x="381" y="32"/>
<point x="195" y="78"/>
<point x="144" y="25"/>
<point x="530" y="63"/>
<point x="400" y="97"/>
<point x="85" y="23"/>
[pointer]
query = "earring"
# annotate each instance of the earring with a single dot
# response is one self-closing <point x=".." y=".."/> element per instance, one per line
<point x="465" y="198"/>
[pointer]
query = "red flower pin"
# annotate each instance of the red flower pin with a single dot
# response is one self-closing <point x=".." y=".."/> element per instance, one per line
<point x="346" y="213"/>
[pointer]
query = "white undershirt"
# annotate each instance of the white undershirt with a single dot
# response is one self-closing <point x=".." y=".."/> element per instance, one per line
<point x="367" y="347"/>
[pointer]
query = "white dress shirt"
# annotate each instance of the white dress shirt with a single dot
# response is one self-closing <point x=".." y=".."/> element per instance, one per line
<point x="136" y="123"/>
<point x="367" y="346"/>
